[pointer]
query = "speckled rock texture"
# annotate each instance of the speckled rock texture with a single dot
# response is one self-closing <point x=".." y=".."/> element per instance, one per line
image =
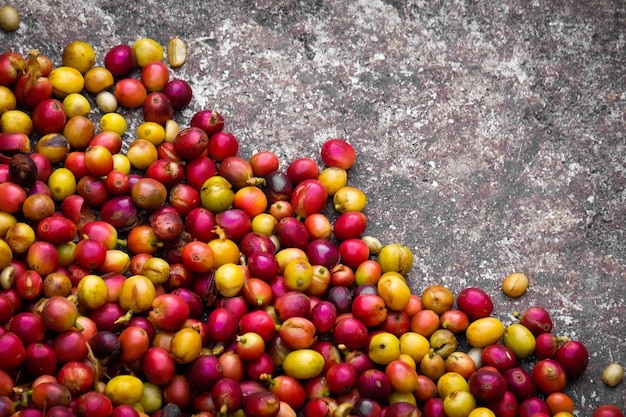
<point x="490" y="134"/>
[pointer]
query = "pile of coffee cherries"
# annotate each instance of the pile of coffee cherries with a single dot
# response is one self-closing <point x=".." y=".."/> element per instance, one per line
<point x="158" y="272"/>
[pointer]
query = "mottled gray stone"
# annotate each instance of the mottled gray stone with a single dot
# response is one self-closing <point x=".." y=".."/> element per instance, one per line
<point x="490" y="134"/>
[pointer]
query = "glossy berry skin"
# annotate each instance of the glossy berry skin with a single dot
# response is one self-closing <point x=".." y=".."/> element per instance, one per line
<point x="338" y="153"/>
<point x="608" y="410"/>
<point x="573" y="357"/>
<point x="474" y="302"/>
<point x="309" y="197"/>
<point x="222" y="145"/>
<point x="302" y="169"/>
<point x="353" y="252"/>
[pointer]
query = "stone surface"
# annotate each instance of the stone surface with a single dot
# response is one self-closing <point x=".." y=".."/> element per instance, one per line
<point x="490" y="135"/>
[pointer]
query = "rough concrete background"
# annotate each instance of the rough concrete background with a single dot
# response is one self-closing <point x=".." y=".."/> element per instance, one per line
<point x="490" y="134"/>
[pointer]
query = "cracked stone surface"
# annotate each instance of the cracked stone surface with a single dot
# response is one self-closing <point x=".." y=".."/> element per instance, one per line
<point x="490" y="135"/>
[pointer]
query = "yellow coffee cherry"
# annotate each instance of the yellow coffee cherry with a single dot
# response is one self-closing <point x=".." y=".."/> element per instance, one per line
<point x="147" y="50"/>
<point x="121" y="163"/>
<point x="66" y="80"/>
<point x="79" y="55"/>
<point x="62" y="184"/>
<point x="152" y="132"/>
<point x="515" y="285"/>
<point x="333" y="179"/>
<point x="113" y="122"/>
<point x="349" y="199"/>
<point x="98" y="79"/>
<point x="7" y="99"/>
<point x="76" y="104"/>
<point x="16" y="121"/>
<point x="141" y="153"/>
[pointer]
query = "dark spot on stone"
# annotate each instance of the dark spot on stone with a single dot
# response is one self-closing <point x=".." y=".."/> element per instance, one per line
<point x="307" y="40"/>
<point x="398" y="5"/>
<point x="283" y="13"/>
